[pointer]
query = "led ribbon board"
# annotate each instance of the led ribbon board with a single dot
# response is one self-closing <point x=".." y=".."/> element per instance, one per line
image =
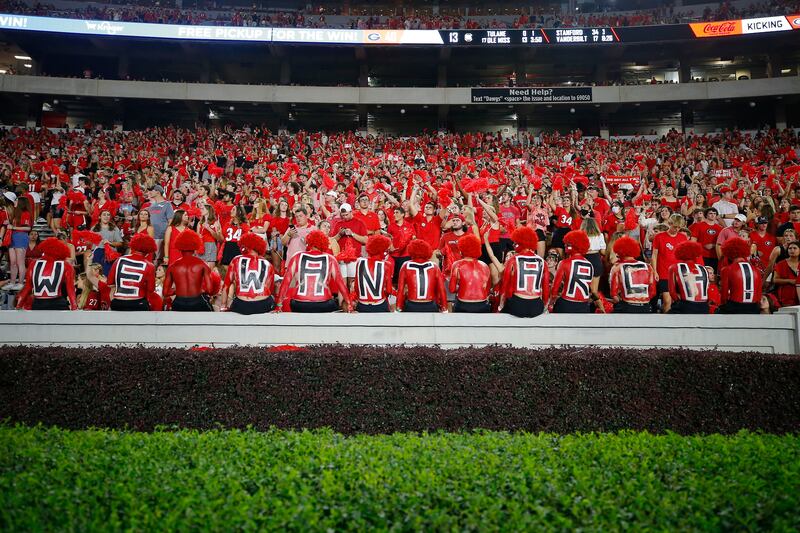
<point x="482" y="38"/>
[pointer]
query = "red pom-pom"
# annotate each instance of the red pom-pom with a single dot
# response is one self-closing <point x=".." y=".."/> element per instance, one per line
<point x="143" y="243"/>
<point x="87" y="237"/>
<point x="76" y="197"/>
<point x="419" y="250"/>
<point x="350" y="253"/>
<point x="316" y="240"/>
<point x="254" y="243"/>
<point x="377" y="245"/>
<point x="525" y="238"/>
<point x="470" y="245"/>
<point x="110" y="254"/>
<point x="576" y="242"/>
<point x="689" y="251"/>
<point x="53" y="248"/>
<point x="627" y="247"/>
<point x="736" y="248"/>
<point x="188" y="241"/>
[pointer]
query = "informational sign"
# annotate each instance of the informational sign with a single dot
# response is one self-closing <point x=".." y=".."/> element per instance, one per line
<point x="483" y="38"/>
<point x="531" y="95"/>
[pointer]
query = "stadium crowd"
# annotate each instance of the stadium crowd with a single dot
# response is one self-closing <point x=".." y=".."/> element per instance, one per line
<point x="250" y="220"/>
<point x="414" y="17"/>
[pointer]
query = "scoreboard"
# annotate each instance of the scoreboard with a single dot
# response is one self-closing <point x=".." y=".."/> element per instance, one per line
<point x="487" y="38"/>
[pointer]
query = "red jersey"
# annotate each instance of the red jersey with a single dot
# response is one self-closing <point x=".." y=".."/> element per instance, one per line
<point x="526" y="276"/>
<point x="373" y="281"/>
<point x="574" y="277"/>
<point x="98" y="300"/>
<point x="234" y="233"/>
<point x="741" y="283"/>
<point x="764" y="245"/>
<point x="706" y="233"/>
<point x="48" y="279"/>
<point x="421" y="282"/>
<point x="251" y="276"/>
<point x="565" y="220"/>
<point x="633" y="282"/>
<point x="688" y="281"/>
<point x="471" y="280"/>
<point x="316" y="278"/>
<point x="666" y="245"/>
<point x="132" y="276"/>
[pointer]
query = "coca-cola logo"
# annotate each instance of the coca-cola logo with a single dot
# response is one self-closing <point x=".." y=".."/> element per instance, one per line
<point x="717" y="29"/>
<point x="720" y="28"/>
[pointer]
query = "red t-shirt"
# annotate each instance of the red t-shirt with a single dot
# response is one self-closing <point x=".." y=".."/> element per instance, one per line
<point x="666" y="245"/>
<point x="429" y="231"/>
<point x="24" y="220"/>
<point x="370" y="220"/>
<point x="356" y="226"/>
<point x="509" y="215"/>
<point x="706" y="233"/>
<point x="279" y="223"/>
<point x="764" y="244"/>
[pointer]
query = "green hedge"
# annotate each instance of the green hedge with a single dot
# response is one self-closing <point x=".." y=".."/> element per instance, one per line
<point x="56" y="480"/>
<point x="385" y="390"/>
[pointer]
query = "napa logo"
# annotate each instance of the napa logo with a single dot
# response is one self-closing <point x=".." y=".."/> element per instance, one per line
<point x="104" y="27"/>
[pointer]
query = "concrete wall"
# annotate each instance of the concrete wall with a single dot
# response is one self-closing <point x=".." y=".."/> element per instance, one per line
<point x="769" y="334"/>
<point x="376" y="95"/>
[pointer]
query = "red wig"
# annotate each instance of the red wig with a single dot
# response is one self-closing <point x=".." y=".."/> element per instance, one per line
<point x="419" y="250"/>
<point x="377" y="245"/>
<point x="627" y="247"/>
<point x="689" y="250"/>
<point x="576" y="242"/>
<point x="254" y="243"/>
<point x="735" y="248"/>
<point x="53" y="248"/>
<point x="143" y="243"/>
<point x="525" y="238"/>
<point x="316" y="240"/>
<point x="188" y="241"/>
<point x="470" y="245"/>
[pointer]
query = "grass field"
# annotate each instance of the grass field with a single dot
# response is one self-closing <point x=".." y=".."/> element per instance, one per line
<point x="52" y="479"/>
